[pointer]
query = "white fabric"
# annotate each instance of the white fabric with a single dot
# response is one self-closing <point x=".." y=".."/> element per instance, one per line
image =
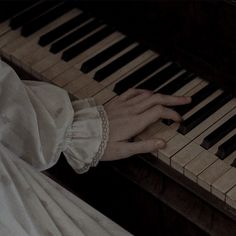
<point x="87" y="136"/>
<point x="37" y="123"/>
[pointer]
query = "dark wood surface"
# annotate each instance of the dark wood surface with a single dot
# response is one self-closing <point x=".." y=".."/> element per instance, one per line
<point x="144" y="200"/>
<point x="124" y="201"/>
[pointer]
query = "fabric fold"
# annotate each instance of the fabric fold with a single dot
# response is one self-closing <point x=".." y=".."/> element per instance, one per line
<point x="49" y="123"/>
<point x="87" y="137"/>
<point x="37" y="123"/>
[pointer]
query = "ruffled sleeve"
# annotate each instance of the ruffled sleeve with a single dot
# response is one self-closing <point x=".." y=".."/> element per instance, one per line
<point x="38" y="122"/>
<point x="87" y="137"/>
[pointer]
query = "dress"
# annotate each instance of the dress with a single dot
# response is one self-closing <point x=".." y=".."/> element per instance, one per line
<point x="37" y="123"/>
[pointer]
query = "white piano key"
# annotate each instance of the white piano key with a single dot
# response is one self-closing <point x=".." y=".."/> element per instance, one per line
<point x="62" y="66"/>
<point x="4" y="28"/>
<point x="171" y="79"/>
<point x="129" y="68"/>
<point x="64" y="80"/>
<point x="211" y="120"/>
<point x="199" y="164"/>
<point x="21" y="41"/>
<point x="8" y="38"/>
<point x="48" y="59"/>
<point x="221" y="121"/>
<point x="22" y="55"/>
<point x="202" y="104"/>
<point x="172" y="147"/>
<point x="214" y="148"/>
<point x="231" y="197"/>
<point x="191" y="88"/>
<point x="223" y="184"/>
<point x="185" y="155"/>
<point x="212" y="173"/>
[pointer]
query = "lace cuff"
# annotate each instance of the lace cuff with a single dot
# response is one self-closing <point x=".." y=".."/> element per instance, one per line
<point x="87" y="137"/>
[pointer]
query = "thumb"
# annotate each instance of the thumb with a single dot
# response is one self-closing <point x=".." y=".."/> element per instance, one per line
<point x="144" y="146"/>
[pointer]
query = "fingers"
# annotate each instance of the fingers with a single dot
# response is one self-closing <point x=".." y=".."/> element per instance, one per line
<point x="169" y="100"/>
<point x="131" y="93"/>
<point x="127" y="149"/>
<point x="145" y="146"/>
<point x="160" y="99"/>
<point x="156" y="113"/>
<point x="139" y="98"/>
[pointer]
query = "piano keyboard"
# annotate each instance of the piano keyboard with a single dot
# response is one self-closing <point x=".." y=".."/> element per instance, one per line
<point x="87" y="57"/>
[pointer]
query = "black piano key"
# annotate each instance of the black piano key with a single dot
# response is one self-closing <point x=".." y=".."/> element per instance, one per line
<point x="106" y="54"/>
<point x="138" y="75"/>
<point x="74" y="36"/>
<point x="233" y="164"/>
<point x="177" y="83"/>
<point x="227" y="148"/>
<point x="30" y="13"/>
<point x="219" y="133"/>
<point x="118" y="63"/>
<point x="44" y="19"/>
<point x="7" y="11"/>
<point x="161" y="77"/>
<point x="62" y="29"/>
<point x="82" y="46"/>
<point x="202" y="114"/>
<point x="196" y="99"/>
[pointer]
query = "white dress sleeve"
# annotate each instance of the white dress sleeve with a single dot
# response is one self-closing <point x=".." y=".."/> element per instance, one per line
<point x="87" y="137"/>
<point x="38" y="122"/>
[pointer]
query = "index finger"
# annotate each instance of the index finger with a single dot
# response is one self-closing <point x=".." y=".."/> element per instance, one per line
<point x="160" y="99"/>
<point x="170" y="100"/>
<point x="132" y="93"/>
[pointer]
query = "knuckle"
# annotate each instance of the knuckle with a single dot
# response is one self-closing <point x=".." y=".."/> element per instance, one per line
<point x="146" y="96"/>
<point x="160" y="109"/>
<point x="153" y="144"/>
<point x="159" y="96"/>
<point x="120" y="97"/>
<point x="133" y="111"/>
<point x="174" y="115"/>
<point x="130" y="110"/>
<point x="178" y="116"/>
<point x="147" y="92"/>
<point x="140" y="121"/>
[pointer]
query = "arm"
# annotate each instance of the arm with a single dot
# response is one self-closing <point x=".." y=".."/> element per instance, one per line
<point x="39" y="122"/>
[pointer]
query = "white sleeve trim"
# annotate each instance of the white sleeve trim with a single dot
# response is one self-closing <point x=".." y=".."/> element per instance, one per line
<point x="88" y="135"/>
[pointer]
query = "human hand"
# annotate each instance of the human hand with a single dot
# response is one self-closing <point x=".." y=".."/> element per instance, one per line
<point x="130" y="114"/>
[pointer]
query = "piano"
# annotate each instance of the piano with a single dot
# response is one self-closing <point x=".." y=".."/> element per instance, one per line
<point x="101" y="49"/>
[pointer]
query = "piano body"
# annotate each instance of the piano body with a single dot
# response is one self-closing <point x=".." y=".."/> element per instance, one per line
<point x="100" y="49"/>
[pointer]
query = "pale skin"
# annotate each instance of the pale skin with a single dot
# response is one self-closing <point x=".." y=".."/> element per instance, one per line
<point x="130" y="114"/>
